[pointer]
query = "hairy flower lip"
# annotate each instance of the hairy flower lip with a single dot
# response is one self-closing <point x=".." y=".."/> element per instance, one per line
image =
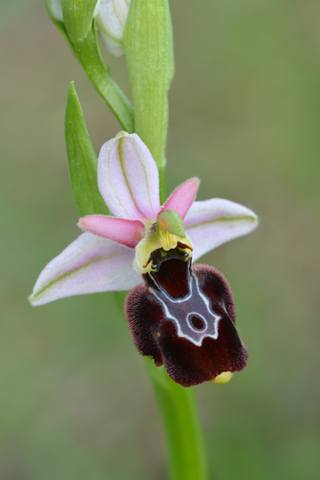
<point x="128" y="180"/>
<point x="159" y="323"/>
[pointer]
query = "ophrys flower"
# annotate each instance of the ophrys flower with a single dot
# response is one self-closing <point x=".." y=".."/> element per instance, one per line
<point x="180" y="315"/>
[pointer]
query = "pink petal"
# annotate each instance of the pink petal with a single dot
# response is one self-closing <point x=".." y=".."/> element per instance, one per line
<point x="90" y="264"/>
<point x="213" y="222"/>
<point x="128" y="178"/>
<point x="182" y="197"/>
<point x="126" y="232"/>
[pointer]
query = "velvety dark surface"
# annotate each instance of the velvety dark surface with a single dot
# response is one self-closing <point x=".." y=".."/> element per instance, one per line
<point x="157" y="335"/>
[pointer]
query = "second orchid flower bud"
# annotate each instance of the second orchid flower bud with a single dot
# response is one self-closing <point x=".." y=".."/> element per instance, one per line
<point x="55" y="9"/>
<point x="111" y="18"/>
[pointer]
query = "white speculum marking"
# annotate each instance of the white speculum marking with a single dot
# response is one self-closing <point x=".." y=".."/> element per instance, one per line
<point x="192" y="314"/>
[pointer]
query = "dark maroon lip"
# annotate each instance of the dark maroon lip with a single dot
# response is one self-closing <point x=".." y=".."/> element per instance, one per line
<point x="184" y="318"/>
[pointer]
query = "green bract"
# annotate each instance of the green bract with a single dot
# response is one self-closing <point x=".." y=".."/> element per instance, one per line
<point x="82" y="159"/>
<point x="149" y="54"/>
<point x="77" y="16"/>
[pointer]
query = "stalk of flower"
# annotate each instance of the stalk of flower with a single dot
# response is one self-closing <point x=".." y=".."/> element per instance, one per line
<point x="181" y="315"/>
<point x="77" y="21"/>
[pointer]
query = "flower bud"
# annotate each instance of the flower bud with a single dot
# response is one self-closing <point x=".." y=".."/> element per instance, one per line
<point x="55" y="9"/>
<point x="111" y="20"/>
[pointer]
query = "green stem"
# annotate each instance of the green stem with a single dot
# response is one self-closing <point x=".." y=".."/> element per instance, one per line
<point x="89" y="55"/>
<point x="179" y="411"/>
<point x="80" y="33"/>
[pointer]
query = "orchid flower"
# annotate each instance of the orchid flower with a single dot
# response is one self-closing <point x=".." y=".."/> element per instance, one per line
<point x="111" y="18"/>
<point x="181" y="315"/>
<point x="55" y="9"/>
<point x="111" y="21"/>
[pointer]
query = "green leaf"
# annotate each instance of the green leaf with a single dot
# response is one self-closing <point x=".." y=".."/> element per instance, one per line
<point x="82" y="159"/>
<point x="149" y="51"/>
<point x="77" y="15"/>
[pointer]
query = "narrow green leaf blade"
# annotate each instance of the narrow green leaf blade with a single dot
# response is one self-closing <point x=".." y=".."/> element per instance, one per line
<point x="82" y="159"/>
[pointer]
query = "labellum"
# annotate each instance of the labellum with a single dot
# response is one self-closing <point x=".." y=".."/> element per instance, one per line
<point x="183" y="316"/>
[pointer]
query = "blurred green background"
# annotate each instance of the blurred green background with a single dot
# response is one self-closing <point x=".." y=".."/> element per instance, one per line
<point x="75" y="400"/>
